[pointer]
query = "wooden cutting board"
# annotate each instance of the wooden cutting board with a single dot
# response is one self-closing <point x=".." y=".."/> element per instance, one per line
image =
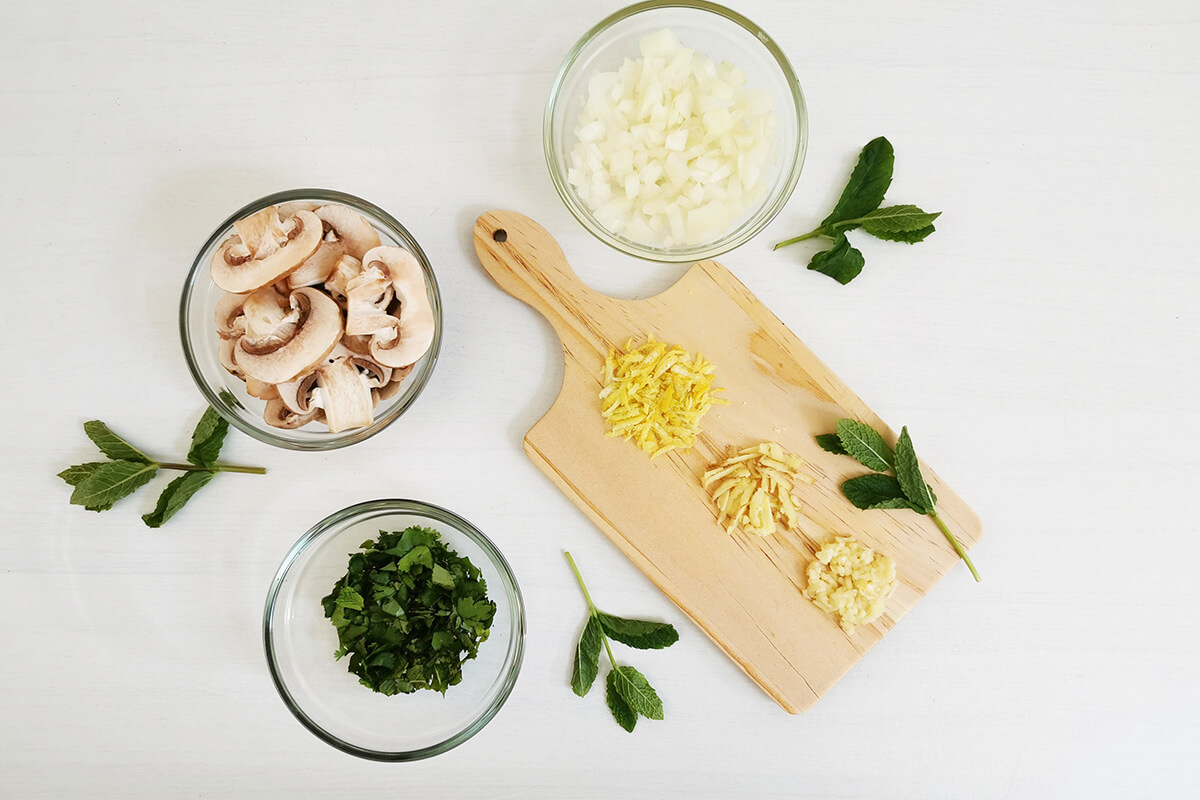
<point x="742" y="590"/>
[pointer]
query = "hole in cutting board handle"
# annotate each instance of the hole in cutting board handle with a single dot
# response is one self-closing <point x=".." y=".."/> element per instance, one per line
<point x="500" y="235"/>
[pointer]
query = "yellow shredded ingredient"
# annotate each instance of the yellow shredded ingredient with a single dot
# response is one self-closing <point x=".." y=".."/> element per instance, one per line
<point x="754" y="489"/>
<point x="656" y="394"/>
<point x="850" y="580"/>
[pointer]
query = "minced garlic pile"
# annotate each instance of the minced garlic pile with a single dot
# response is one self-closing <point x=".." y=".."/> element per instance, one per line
<point x="755" y="489"/>
<point x="655" y="395"/>
<point x="851" y="580"/>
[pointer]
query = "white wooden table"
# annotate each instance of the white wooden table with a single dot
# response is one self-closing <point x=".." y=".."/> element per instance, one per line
<point x="1042" y="346"/>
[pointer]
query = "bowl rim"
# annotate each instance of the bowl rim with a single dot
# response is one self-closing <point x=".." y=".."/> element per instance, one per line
<point x="197" y="274"/>
<point x="769" y="209"/>
<point x="335" y="522"/>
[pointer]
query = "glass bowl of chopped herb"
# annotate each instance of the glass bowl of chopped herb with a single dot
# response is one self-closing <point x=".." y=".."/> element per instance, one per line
<point x="394" y="630"/>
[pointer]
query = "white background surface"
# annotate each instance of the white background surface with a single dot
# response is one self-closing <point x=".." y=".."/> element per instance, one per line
<point x="1041" y="346"/>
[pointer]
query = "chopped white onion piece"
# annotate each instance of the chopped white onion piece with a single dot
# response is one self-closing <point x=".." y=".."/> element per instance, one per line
<point x="671" y="148"/>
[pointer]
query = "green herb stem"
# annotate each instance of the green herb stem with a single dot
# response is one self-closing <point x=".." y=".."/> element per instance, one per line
<point x="608" y="649"/>
<point x="586" y="596"/>
<point x="958" y="548"/>
<point x="216" y="468"/>
<point x="809" y="235"/>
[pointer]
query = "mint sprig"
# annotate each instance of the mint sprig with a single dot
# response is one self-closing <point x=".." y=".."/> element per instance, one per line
<point x="98" y="485"/>
<point x="858" y="207"/>
<point x="627" y="691"/>
<point x="906" y="488"/>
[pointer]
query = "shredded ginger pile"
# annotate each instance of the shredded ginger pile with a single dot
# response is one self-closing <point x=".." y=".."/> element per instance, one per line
<point x="851" y="580"/>
<point x="655" y="395"/>
<point x="755" y="489"/>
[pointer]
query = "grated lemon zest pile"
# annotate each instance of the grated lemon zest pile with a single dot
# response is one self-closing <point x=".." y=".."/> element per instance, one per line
<point x="754" y="492"/>
<point x="656" y="394"/>
<point x="851" y="580"/>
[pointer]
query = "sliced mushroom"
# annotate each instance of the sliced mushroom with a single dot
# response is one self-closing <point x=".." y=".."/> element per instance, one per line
<point x="280" y="416"/>
<point x="414" y="334"/>
<point x="230" y="322"/>
<point x="296" y="394"/>
<point x="288" y="209"/>
<point x="317" y="267"/>
<point x="264" y="249"/>
<point x="375" y="374"/>
<point x="318" y="329"/>
<point x="263" y="391"/>
<point x="387" y="392"/>
<point x="352" y="228"/>
<point x="225" y="356"/>
<point x="344" y="395"/>
<point x="368" y="295"/>
<point x="359" y="345"/>
<point x="346" y="268"/>
<point x="269" y="317"/>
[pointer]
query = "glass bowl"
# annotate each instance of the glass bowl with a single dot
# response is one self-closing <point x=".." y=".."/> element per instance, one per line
<point x="327" y="698"/>
<point x="227" y="393"/>
<point x="713" y="31"/>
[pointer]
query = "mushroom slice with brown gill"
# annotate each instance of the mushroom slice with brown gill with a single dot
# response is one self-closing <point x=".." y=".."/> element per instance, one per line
<point x="352" y="228"/>
<point x="225" y="349"/>
<point x="384" y="393"/>
<point x="231" y="323"/>
<point x="318" y="328"/>
<point x="269" y="316"/>
<point x="264" y="249"/>
<point x="414" y="334"/>
<point x="279" y="415"/>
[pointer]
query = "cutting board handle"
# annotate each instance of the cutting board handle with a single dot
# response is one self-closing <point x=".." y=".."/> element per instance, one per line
<point x="523" y="258"/>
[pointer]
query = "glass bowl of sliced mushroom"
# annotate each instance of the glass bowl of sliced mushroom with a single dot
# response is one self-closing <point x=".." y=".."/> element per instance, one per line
<point x="311" y="319"/>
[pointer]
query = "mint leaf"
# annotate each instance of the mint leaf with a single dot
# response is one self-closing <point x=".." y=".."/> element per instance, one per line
<point x="635" y="690"/>
<point x="587" y="657"/>
<point x="875" y="491"/>
<point x="908" y="472"/>
<point x="442" y="577"/>
<point x="831" y="443"/>
<point x="173" y="498"/>
<point x="420" y="555"/>
<point x="208" y="438"/>
<point x="625" y="716"/>
<point x="640" y="634"/>
<point x="865" y="444"/>
<point x="868" y="183"/>
<point x="80" y="472"/>
<point x="347" y="597"/>
<point x="896" y="219"/>
<point x="110" y="482"/>
<point x="842" y="262"/>
<point x="112" y="445"/>
<point x="908" y="237"/>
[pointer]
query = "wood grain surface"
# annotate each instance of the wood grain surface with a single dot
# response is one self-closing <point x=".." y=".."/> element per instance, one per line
<point x="744" y="591"/>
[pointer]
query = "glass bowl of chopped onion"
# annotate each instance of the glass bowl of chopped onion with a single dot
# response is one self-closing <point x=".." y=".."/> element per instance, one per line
<point x="297" y="411"/>
<point x="301" y="642"/>
<point x="675" y="130"/>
